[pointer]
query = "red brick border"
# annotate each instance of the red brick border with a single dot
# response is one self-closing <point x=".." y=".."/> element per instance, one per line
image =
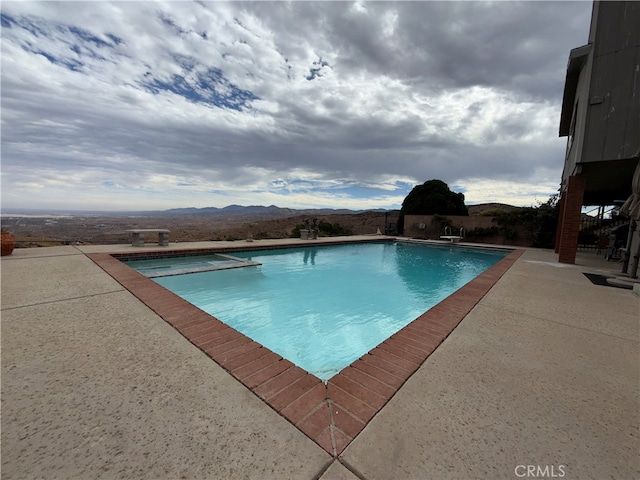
<point x="332" y="415"/>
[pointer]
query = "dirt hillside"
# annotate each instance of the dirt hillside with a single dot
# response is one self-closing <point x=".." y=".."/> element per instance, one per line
<point x="39" y="231"/>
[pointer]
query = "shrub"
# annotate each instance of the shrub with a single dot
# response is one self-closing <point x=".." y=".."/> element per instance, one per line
<point x="325" y="229"/>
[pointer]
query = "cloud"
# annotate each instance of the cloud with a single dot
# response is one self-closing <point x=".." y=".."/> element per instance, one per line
<point x="157" y="105"/>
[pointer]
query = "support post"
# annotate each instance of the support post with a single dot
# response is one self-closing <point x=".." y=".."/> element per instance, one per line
<point x="635" y="259"/>
<point x="560" y="220"/>
<point x="627" y="250"/>
<point x="571" y="218"/>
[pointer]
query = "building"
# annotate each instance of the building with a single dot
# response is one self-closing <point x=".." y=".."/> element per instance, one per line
<point x="601" y="119"/>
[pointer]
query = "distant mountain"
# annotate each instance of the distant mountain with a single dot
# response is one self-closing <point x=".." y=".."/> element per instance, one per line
<point x="227" y="209"/>
<point x="244" y="213"/>
<point x="248" y="213"/>
<point x="272" y="211"/>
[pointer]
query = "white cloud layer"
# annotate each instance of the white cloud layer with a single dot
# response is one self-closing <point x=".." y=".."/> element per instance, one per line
<point x="153" y="105"/>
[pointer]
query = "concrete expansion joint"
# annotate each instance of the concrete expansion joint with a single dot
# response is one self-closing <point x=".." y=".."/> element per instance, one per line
<point x="324" y="469"/>
<point x="15" y="258"/>
<point x="556" y="280"/>
<point x="351" y="468"/>
<point x="569" y="325"/>
<point x="591" y="331"/>
<point x="93" y="295"/>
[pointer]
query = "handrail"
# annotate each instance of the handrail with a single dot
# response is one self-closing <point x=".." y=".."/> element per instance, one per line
<point x="447" y="231"/>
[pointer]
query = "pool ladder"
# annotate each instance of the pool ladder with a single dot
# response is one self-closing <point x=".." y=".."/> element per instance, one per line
<point x="447" y="231"/>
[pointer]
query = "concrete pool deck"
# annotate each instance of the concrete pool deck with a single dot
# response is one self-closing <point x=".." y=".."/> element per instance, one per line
<point x="544" y="371"/>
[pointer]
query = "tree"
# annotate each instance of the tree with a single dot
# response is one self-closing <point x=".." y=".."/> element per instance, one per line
<point x="433" y="197"/>
<point x="544" y="235"/>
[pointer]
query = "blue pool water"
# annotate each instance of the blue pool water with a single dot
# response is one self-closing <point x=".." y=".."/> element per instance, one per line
<point x="323" y="307"/>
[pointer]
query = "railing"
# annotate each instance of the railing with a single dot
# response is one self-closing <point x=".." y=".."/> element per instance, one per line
<point x="596" y="227"/>
<point x="447" y="231"/>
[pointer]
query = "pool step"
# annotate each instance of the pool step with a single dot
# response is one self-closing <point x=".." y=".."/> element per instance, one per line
<point x="238" y="263"/>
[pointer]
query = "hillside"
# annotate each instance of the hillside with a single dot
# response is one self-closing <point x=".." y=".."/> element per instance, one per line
<point x="188" y="225"/>
<point x="35" y="231"/>
<point x="485" y="207"/>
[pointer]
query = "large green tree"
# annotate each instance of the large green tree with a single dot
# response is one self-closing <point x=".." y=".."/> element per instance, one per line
<point x="433" y="197"/>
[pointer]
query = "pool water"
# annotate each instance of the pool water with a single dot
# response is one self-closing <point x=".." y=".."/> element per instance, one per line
<point x="323" y="307"/>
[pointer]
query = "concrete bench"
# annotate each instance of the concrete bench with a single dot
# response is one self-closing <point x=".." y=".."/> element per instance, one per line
<point x="138" y="236"/>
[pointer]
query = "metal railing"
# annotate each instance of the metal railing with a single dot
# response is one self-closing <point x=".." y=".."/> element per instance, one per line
<point x="597" y="226"/>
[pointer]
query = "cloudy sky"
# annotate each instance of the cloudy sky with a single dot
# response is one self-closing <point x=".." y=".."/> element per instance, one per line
<point x="301" y="104"/>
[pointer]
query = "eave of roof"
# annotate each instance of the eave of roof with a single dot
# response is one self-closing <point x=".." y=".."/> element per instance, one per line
<point x="577" y="59"/>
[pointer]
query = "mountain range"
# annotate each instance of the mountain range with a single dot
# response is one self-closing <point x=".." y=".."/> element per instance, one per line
<point x="253" y="211"/>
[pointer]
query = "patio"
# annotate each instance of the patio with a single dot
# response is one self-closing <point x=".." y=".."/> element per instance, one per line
<point x="543" y="372"/>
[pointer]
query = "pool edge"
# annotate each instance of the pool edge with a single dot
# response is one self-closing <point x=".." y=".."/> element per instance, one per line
<point x="330" y="414"/>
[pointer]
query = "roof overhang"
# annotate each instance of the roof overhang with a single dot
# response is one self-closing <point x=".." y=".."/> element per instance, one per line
<point x="577" y="59"/>
<point x="608" y="181"/>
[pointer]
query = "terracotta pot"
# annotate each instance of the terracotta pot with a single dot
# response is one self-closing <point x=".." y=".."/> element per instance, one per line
<point x="7" y="243"/>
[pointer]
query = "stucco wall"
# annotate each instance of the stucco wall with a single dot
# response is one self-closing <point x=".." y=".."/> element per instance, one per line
<point x="422" y="226"/>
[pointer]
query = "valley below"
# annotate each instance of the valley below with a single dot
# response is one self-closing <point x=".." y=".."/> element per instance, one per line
<point x="192" y="225"/>
<point x="51" y="230"/>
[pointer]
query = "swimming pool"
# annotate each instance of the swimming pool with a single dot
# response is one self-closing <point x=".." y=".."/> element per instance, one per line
<point x="322" y="307"/>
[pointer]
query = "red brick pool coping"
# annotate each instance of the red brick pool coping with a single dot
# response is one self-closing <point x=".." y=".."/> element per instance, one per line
<point x="331" y="414"/>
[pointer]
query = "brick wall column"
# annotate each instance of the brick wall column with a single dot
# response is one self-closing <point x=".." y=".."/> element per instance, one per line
<point x="560" y="221"/>
<point x="571" y="219"/>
